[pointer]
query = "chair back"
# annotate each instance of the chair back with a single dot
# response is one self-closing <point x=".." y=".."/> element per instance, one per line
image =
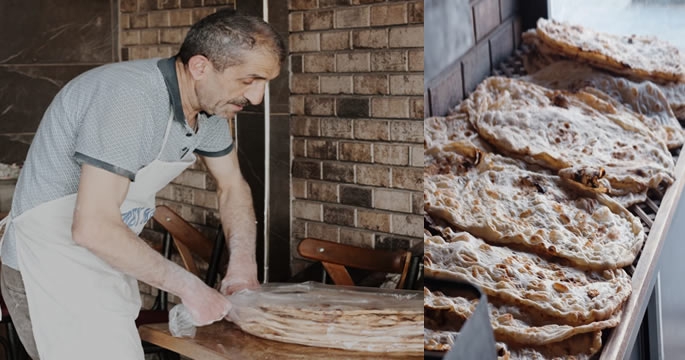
<point x="189" y="241"/>
<point x="336" y="257"/>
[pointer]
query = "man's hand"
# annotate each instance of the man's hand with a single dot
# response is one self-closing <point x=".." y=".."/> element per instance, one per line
<point x="240" y="275"/>
<point x="205" y="304"/>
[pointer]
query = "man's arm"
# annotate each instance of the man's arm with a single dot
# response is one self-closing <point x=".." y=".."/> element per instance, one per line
<point x="98" y="227"/>
<point x="238" y="220"/>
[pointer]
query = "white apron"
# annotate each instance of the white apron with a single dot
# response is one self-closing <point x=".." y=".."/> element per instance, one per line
<point x="81" y="308"/>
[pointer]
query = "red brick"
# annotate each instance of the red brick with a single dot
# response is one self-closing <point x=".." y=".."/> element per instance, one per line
<point x="296" y="21"/>
<point x="409" y="225"/>
<point x="191" y="178"/>
<point x="317" y="105"/>
<point x="355" y="151"/>
<point x="339" y="172"/>
<point x="138" y="21"/>
<point x="417" y="203"/>
<point x="375" y="175"/>
<point x="336" y="128"/>
<point x="406" y="84"/>
<point x="308" y="210"/>
<point x="354" y="237"/>
<point x="299" y="187"/>
<point x="297" y="105"/>
<point x="322" y="149"/>
<point x="322" y="231"/>
<point x="319" y="63"/>
<point x="299" y="147"/>
<point x="304" y="84"/>
<point x="305" y="126"/>
<point x="352" y="62"/>
<point x="199" y="14"/>
<point x="296" y="65"/>
<point x="351" y="17"/>
<point x="371" y="130"/>
<point x="394" y="200"/>
<point x="318" y="20"/>
<point x="415" y="13"/>
<point x="205" y="199"/>
<point x="371" y="84"/>
<point x="389" y="14"/>
<point x="370" y="38"/>
<point x="416" y="60"/>
<point x="169" y="4"/>
<point x="136" y="53"/>
<point x="356" y="195"/>
<point x="158" y="19"/>
<point x="191" y="3"/>
<point x="160" y="51"/>
<point x="336" y="84"/>
<point x="340" y="215"/>
<point x="181" y="18"/>
<point x="147" y="5"/>
<point x="416" y="154"/>
<point x="323" y="191"/>
<point x="307" y="169"/>
<point x="406" y="37"/>
<point x="373" y="220"/>
<point x="299" y="229"/>
<point x="389" y="61"/>
<point x="301" y="42"/>
<point x="416" y="110"/>
<point x="391" y="154"/>
<point x="149" y="37"/>
<point x="302" y="4"/>
<point x="333" y="3"/>
<point x="406" y="131"/>
<point x="339" y="40"/>
<point x="128" y="6"/>
<point x="390" y="107"/>
<point x="130" y="37"/>
<point x="391" y="242"/>
<point x="407" y="178"/>
<point x="171" y="36"/>
<point x="125" y="21"/>
<point x="352" y="107"/>
<point x="218" y="2"/>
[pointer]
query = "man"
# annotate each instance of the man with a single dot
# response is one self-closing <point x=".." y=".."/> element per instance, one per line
<point x="110" y="140"/>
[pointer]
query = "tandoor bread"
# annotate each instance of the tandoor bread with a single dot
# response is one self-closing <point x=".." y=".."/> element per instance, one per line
<point x="577" y="134"/>
<point x="640" y="56"/>
<point x="511" y="324"/>
<point x="565" y="294"/>
<point x="644" y="98"/>
<point x="505" y="204"/>
<point x="441" y="136"/>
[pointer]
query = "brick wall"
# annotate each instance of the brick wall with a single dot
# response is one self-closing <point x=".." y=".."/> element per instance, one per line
<point x="496" y="32"/>
<point x="156" y="28"/>
<point x="356" y="122"/>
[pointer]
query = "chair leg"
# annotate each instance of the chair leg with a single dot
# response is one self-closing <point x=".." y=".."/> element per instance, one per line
<point x="169" y="355"/>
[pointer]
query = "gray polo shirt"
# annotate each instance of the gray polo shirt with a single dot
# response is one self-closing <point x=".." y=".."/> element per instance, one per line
<point x="113" y="117"/>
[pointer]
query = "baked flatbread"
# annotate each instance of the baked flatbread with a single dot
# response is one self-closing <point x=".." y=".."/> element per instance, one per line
<point x="582" y="137"/>
<point x="579" y="347"/>
<point x="644" y="98"/>
<point x="567" y="295"/>
<point x="505" y="204"/>
<point x="510" y="323"/>
<point x="441" y="136"/>
<point x="640" y="56"/>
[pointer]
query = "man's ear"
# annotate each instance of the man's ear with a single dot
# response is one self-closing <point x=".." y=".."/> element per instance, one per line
<point x="199" y="66"/>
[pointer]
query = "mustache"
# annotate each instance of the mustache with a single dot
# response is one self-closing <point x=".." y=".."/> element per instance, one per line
<point x="242" y="102"/>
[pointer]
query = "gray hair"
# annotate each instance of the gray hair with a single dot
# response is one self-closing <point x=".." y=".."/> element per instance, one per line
<point x="224" y="36"/>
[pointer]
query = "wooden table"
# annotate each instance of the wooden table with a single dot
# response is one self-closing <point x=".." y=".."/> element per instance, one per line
<point x="223" y="340"/>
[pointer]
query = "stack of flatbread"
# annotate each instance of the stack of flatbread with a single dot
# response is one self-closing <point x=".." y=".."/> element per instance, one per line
<point x="527" y="186"/>
<point x="386" y="321"/>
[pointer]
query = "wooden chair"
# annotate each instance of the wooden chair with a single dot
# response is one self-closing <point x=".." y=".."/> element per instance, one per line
<point x="336" y="258"/>
<point x="188" y="241"/>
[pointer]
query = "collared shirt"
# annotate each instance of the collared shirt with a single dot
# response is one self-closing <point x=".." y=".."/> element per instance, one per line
<point x="112" y="117"/>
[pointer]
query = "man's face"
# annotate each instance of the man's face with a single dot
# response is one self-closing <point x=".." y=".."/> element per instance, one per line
<point x="225" y="93"/>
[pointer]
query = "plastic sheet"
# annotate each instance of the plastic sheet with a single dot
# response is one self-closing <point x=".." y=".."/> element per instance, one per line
<point x="180" y="322"/>
<point x="350" y="318"/>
